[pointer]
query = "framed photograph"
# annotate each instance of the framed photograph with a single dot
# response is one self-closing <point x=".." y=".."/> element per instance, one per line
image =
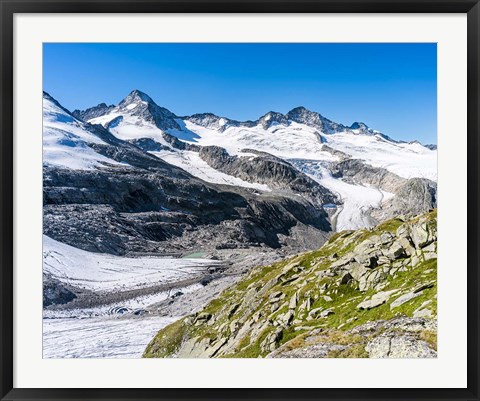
<point x="239" y="200"/>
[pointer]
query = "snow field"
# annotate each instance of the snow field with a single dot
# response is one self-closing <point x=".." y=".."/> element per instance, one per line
<point x="109" y="273"/>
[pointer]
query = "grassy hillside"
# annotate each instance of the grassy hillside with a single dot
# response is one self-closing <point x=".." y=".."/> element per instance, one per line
<point x="365" y="293"/>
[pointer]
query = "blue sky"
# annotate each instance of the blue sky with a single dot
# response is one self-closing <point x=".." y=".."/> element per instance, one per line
<point x="390" y="87"/>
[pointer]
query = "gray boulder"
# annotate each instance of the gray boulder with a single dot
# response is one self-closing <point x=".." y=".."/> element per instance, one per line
<point x="404" y="346"/>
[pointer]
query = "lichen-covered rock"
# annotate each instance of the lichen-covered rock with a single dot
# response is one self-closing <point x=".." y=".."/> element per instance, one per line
<point x="271" y="341"/>
<point x="404" y="298"/>
<point x="399" y="346"/>
<point x="375" y="298"/>
<point x="395" y="251"/>
<point x="420" y="235"/>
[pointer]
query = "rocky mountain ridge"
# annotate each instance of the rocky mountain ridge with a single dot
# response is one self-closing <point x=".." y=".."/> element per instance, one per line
<point x="316" y="185"/>
<point x="165" y="119"/>
<point x="263" y="161"/>
<point x="133" y="201"/>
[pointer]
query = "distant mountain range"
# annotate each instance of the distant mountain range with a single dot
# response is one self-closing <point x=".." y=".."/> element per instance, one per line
<point x="135" y="177"/>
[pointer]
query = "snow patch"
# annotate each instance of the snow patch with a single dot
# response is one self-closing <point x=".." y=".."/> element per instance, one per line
<point x="195" y="165"/>
<point x="130" y="127"/>
<point x="110" y="273"/>
<point x="65" y="141"/>
<point x="407" y="160"/>
<point x="300" y="141"/>
<point x="102" y="337"/>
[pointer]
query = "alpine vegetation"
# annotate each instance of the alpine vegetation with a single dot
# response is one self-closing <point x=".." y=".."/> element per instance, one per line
<point x="365" y="293"/>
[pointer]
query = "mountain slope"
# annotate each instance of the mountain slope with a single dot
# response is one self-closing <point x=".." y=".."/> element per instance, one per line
<point x="66" y="140"/>
<point x="366" y="293"/>
<point x="120" y="198"/>
<point x="137" y="116"/>
<point x="333" y="161"/>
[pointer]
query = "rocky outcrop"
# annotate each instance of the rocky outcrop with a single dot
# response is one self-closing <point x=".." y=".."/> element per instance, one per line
<point x="93" y="112"/>
<point x="212" y="121"/>
<point x="272" y="118"/>
<point x="415" y="196"/>
<point x="56" y="293"/>
<point x="121" y="210"/>
<point x="365" y="293"/>
<point x="403" y="338"/>
<point x="148" y="145"/>
<point x="341" y="155"/>
<point x="411" y="196"/>
<point x="358" y="172"/>
<point x="267" y="169"/>
<point x="304" y="116"/>
<point x="146" y="109"/>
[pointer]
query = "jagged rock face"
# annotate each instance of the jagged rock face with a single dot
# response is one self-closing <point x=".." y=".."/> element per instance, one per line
<point x="148" y="145"/>
<point x="55" y="293"/>
<point x="131" y="209"/>
<point x="415" y="196"/>
<point x="412" y="196"/>
<point x="93" y="112"/>
<point x="137" y="104"/>
<point x="298" y="114"/>
<point x="209" y="120"/>
<point x="304" y="116"/>
<point x="212" y="121"/>
<point x="401" y="338"/>
<point x="266" y="169"/>
<point x="360" y="126"/>
<point x="357" y="172"/>
<point x="141" y="105"/>
<point x="431" y="146"/>
<point x="360" y="295"/>
<point x="363" y="129"/>
<point x="272" y="118"/>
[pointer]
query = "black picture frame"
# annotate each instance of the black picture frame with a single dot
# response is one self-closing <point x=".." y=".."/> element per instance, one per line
<point x="10" y="8"/>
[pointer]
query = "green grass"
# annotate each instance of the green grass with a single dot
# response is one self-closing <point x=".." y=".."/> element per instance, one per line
<point x="167" y="341"/>
<point x="430" y="337"/>
<point x="251" y="351"/>
<point x="345" y="299"/>
<point x="355" y="351"/>
<point x="409" y="279"/>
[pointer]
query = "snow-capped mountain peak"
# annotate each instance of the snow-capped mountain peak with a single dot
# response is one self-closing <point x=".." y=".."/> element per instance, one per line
<point x="313" y="119"/>
<point x="93" y="112"/>
<point x="246" y="154"/>
<point x="211" y="121"/>
<point x="138" y="116"/>
<point x="298" y="134"/>
<point x="359" y="125"/>
<point x="272" y="118"/>
<point x="134" y="97"/>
